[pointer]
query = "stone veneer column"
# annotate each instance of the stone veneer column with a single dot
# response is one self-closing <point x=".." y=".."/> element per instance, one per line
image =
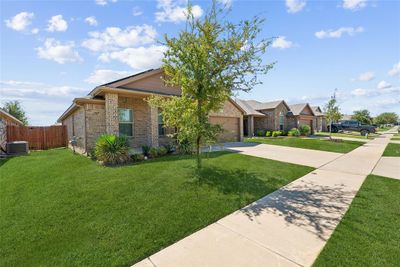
<point x="241" y="128"/>
<point x="153" y="127"/>
<point x="112" y="122"/>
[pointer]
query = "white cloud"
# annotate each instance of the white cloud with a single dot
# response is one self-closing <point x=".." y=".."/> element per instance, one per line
<point x="383" y="85"/>
<point x="43" y="103"/>
<point x="366" y="76"/>
<point x="395" y="70"/>
<point x="20" y="22"/>
<point x="91" y="21"/>
<point x="35" y="31"/>
<point x="172" y="11"/>
<point x="113" y="38"/>
<point x="103" y="76"/>
<point x="104" y="2"/>
<point x="57" y="24"/>
<point x="354" y="4"/>
<point x="282" y="43"/>
<point x="359" y="92"/>
<point x="58" y="52"/>
<point x="338" y="33"/>
<point x="137" y="11"/>
<point x="139" y="58"/>
<point x="294" y="6"/>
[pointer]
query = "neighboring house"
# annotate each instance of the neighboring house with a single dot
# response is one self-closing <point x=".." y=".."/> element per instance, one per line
<point x="279" y="116"/>
<point x="6" y="119"/>
<point x="303" y="115"/>
<point x="120" y="107"/>
<point x="269" y="115"/>
<point x="320" y="121"/>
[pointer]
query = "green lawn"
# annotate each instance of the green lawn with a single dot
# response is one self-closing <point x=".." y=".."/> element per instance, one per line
<point x="396" y="137"/>
<point x="309" y="143"/>
<point x="369" y="233"/>
<point x="60" y="209"/>
<point x="392" y="150"/>
<point x="351" y="135"/>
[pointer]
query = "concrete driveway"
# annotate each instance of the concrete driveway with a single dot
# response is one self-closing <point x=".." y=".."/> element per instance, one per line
<point x="307" y="157"/>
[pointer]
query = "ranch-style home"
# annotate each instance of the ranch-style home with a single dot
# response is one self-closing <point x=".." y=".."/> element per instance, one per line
<point x="279" y="116"/>
<point x="120" y="108"/>
<point x="6" y="119"/>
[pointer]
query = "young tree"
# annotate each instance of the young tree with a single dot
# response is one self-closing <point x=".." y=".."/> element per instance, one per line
<point x="209" y="60"/>
<point x="332" y="112"/>
<point x="362" y="116"/>
<point x="15" y="109"/>
<point x="386" y="118"/>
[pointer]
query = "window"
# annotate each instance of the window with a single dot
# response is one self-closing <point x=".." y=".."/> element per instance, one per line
<point x="161" y="128"/>
<point x="281" y="121"/>
<point x="125" y="117"/>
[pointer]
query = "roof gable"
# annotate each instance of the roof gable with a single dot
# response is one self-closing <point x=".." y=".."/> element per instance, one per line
<point x="301" y="109"/>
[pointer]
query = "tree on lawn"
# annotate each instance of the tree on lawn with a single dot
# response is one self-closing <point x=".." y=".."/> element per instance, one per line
<point x="332" y="112"/>
<point x="209" y="60"/>
<point x="15" y="109"/>
<point x="362" y="116"/>
<point x="386" y="118"/>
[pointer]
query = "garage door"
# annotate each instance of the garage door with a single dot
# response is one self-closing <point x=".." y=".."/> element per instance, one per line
<point x="231" y="128"/>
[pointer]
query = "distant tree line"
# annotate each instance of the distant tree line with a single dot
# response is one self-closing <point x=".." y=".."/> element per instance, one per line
<point x="364" y="116"/>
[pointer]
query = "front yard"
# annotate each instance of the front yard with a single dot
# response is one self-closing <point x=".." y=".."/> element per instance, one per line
<point x="347" y="134"/>
<point x="392" y="150"/>
<point x="369" y="233"/>
<point x="60" y="209"/>
<point x="344" y="146"/>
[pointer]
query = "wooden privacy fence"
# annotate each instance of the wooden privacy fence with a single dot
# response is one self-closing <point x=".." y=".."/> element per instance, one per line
<point x="39" y="138"/>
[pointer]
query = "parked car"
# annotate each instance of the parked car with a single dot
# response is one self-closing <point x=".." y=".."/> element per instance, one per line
<point x="352" y="125"/>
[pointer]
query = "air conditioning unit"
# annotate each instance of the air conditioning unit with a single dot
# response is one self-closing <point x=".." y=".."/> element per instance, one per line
<point x="17" y="148"/>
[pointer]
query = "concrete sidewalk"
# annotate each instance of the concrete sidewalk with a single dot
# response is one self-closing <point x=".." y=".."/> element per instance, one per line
<point x="301" y="156"/>
<point x="388" y="167"/>
<point x="288" y="227"/>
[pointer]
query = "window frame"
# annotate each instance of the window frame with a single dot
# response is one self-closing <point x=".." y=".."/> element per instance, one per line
<point x="126" y="122"/>
<point x="163" y="130"/>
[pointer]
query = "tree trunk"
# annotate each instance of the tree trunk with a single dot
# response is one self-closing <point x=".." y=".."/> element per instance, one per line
<point x="330" y="131"/>
<point x="198" y="139"/>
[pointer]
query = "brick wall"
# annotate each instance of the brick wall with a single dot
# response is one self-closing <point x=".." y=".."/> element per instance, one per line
<point x="95" y="123"/>
<point x="111" y="116"/>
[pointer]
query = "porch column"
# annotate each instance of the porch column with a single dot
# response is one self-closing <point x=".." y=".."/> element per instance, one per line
<point x="112" y="122"/>
<point x="153" y="127"/>
<point x="250" y="126"/>
<point x="241" y="128"/>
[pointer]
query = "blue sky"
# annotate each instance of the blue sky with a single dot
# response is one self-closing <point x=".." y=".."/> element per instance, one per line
<point x="53" y="51"/>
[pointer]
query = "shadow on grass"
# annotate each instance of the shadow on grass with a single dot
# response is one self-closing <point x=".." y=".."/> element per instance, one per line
<point x="311" y="206"/>
<point x="246" y="186"/>
<point x="3" y="161"/>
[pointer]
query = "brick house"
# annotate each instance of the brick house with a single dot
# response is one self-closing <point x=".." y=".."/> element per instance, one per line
<point x="120" y="107"/>
<point x="6" y="119"/>
<point x="279" y="116"/>
<point x="269" y="115"/>
<point x="320" y="121"/>
<point x="303" y="115"/>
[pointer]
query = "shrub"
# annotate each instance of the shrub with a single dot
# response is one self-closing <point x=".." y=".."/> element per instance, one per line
<point x="137" y="157"/>
<point x="305" y="130"/>
<point x="153" y="152"/>
<point x="92" y="154"/>
<point x="185" y="147"/>
<point x="111" y="149"/>
<point x="146" y="150"/>
<point x="162" y="151"/>
<point x="268" y="134"/>
<point x="170" y="148"/>
<point x="276" y="133"/>
<point x="260" y="133"/>
<point x="294" y="132"/>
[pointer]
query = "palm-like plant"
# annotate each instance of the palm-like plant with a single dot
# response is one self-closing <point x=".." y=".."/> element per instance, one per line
<point x="112" y="149"/>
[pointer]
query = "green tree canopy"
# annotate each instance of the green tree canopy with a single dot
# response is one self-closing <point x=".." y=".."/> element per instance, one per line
<point x="362" y="116"/>
<point x="15" y="109"/>
<point x="386" y="118"/>
<point x="209" y="60"/>
<point x="332" y="111"/>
